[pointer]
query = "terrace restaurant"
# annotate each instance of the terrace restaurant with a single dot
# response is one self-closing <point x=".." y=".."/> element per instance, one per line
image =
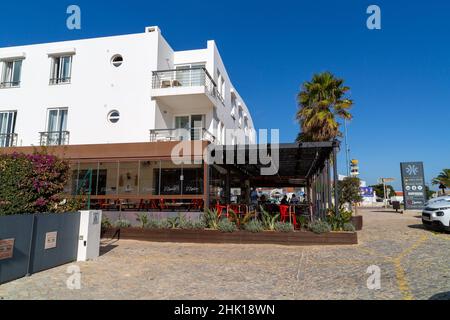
<point x="143" y="176"/>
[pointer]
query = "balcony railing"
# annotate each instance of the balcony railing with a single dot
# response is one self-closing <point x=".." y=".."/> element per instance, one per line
<point x="12" y="84"/>
<point x="57" y="138"/>
<point x="185" y="77"/>
<point x="54" y="81"/>
<point x="157" y="135"/>
<point x="8" y="140"/>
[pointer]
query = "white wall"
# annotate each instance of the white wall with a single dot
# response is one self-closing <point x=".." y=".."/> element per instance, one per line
<point x="97" y="87"/>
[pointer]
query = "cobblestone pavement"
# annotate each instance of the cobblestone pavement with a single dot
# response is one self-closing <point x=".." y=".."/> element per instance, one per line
<point x="414" y="264"/>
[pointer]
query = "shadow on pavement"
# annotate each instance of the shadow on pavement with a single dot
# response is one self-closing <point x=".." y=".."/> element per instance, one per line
<point x="441" y="296"/>
<point x="429" y="229"/>
<point x="107" y="247"/>
<point x="387" y="211"/>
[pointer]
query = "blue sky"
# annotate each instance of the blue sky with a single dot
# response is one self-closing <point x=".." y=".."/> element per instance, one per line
<point x="399" y="76"/>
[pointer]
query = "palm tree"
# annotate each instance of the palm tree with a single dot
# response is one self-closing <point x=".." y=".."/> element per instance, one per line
<point x="321" y="101"/>
<point x="443" y="180"/>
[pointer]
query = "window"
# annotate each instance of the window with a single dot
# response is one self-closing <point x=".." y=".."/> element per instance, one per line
<point x="56" y="133"/>
<point x="61" y="70"/>
<point x="189" y="127"/>
<point x="191" y="74"/>
<point x="117" y="60"/>
<point x="240" y="116"/>
<point x="114" y="116"/>
<point x="220" y="85"/>
<point x="7" y="125"/>
<point x="233" y="106"/>
<point x="11" y="74"/>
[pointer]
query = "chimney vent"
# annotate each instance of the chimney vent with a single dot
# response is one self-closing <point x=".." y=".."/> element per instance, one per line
<point x="152" y="29"/>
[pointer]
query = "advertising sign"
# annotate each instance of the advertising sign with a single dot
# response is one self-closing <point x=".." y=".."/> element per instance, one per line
<point x="413" y="181"/>
<point x="50" y="240"/>
<point x="6" y="249"/>
<point x="366" y="192"/>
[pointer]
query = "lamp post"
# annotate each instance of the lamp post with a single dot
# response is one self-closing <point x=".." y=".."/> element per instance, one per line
<point x="383" y="181"/>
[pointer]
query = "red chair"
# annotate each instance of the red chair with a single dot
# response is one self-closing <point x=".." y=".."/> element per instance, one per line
<point x="285" y="213"/>
<point x="220" y="209"/>
<point x="197" y="204"/>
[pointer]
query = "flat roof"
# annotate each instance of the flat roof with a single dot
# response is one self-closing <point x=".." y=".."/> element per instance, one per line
<point x="297" y="162"/>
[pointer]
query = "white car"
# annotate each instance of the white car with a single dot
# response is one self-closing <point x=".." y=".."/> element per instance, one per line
<point x="437" y="214"/>
<point x="447" y="198"/>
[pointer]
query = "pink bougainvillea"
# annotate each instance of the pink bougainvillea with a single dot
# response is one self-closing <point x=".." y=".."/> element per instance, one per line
<point x="31" y="182"/>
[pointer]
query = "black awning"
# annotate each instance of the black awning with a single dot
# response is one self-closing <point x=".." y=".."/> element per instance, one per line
<point x="297" y="162"/>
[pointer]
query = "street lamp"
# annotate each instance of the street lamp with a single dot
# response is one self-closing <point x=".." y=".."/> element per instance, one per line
<point x="384" y="181"/>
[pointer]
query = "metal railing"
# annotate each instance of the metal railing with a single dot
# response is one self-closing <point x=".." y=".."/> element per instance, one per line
<point x="9" y="84"/>
<point x="54" y="81"/>
<point x="157" y="135"/>
<point x="57" y="138"/>
<point x="186" y="77"/>
<point x="8" y="140"/>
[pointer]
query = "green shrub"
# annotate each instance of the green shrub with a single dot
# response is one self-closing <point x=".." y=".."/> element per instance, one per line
<point x="143" y="219"/>
<point x="284" y="227"/>
<point x="269" y="220"/>
<point x="106" y="224"/>
<point x="240" y="220"/>
<point x="349" y="227"/>
<point x="191" y="225"/>
<point x="122" y="223"/>
<point x="226" y="226"/>
<point x="303" y="221"/>
<point x="158" y="224"/>
<point x="254" y="226"/>
<point x="198" y="225"/>
<point x="319" y="226"/>
<point x="337" y="222"/>
<point x="211" y="219"/>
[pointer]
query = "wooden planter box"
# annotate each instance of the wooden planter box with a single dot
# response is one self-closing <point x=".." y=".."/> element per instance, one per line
<point x="357" y="222"/>
<point x="298" y="238"/>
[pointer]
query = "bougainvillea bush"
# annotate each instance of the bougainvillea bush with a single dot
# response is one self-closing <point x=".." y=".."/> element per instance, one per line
<point x="33" y="183"/>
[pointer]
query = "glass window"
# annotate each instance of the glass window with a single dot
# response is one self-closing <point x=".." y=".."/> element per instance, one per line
<point x="61" y="70"/>
<point x="192" y="180"/>
<point x="128" y="178"/>
<point x="56" y="133"/>
<point x="117" y="60"/>
<point x="169" y="178"/>
<point x="108" y="178"/>
<point x="148" y="177"/>
<point x="217" y="179"/>
<point x="7" y="126"/>
<point x="114" y="116"/>
<point x="11" y="74"/>
<point x="84" y="178"/>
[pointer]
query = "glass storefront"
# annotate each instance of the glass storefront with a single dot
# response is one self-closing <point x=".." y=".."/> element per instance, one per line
<point x="135" y="178"/>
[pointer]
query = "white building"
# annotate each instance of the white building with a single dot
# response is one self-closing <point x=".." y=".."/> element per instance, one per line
<point x="121" y="89"/>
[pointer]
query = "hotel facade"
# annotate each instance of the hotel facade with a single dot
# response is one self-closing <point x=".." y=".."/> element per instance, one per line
<point x="116" y="107"/>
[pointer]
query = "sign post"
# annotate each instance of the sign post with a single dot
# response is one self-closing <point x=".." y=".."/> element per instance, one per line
<point x="413" y="182"/>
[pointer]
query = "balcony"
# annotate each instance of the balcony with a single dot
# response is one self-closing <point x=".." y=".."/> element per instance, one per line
<point x="158" y="135"/>
<point x="8" y="140"/>
<point x="57" y="138"/>
<point x="14" y="84"/>
<point x="56" y="81"/>
<point x="181" y="88"/>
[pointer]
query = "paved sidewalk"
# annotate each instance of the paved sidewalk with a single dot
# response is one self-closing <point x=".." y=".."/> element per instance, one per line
<point x="414" y="264"/>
